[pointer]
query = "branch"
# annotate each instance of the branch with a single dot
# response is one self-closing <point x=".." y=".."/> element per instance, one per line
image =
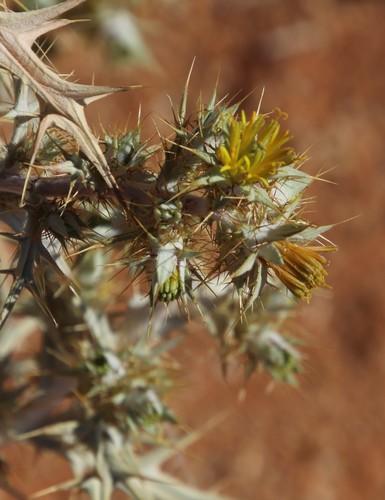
<point x="60" y="187"/>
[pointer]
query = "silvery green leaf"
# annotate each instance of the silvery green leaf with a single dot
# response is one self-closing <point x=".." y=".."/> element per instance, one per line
<point x="258" y="194"/>
<point x="99" y="325"/>
<point x="270" y="253"/>
<point x="133" y="491"/>
<point x="163" y="486"/>
<point x="309" y="234"/>
<point x="155" y="484"/>
<point x="246" y="266"/>
<point x="279" y="232"/>
<point x="167" y="260"/>
<point x="258" y="285"/>
<point x="206" y="157"/>
<point x="290" y="189"/>
<point x="279" y="356"/>
<point x="289" y="171"/>
<point x="213" y="176"/>
<point x="68" y="427"/>
<point x="72" y="484"/>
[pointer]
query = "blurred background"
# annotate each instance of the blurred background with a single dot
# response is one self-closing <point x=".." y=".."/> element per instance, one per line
<point x="322" y="62"/>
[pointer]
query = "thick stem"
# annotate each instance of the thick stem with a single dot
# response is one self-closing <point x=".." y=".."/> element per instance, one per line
<point x="140" y="194"/>
<point x="61" y="186"/>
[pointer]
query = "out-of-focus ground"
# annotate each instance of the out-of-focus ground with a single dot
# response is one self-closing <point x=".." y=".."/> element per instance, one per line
<point x="323" y="63"/>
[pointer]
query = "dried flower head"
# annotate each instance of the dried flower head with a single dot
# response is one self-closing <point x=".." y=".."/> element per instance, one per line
<point x="302" y="269"/>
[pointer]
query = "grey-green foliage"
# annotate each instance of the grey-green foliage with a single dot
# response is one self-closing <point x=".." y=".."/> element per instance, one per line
<point x="216" y="235"/>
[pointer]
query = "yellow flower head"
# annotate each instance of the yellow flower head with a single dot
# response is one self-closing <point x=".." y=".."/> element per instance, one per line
<point x="253" y="150"/>
<point x="302" y="269"/>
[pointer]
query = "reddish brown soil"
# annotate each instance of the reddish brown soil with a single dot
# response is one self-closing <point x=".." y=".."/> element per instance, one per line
<point x="323" y="63"/>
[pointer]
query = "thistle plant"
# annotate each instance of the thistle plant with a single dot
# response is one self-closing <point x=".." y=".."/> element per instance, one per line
<point x="209" y="226"/>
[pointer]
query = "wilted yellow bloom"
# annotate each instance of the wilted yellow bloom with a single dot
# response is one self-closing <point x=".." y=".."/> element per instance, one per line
<point x="253" y="150"/>
<point x="302" y="269"/>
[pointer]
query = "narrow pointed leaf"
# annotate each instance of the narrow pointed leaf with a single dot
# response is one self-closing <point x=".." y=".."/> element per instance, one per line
<point x="309" y="234"/>
<point x="246" y="266"/>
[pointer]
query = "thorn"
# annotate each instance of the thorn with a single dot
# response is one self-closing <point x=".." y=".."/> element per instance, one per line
<point x="260" y="100"/>
<point x="183" y="104"/>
